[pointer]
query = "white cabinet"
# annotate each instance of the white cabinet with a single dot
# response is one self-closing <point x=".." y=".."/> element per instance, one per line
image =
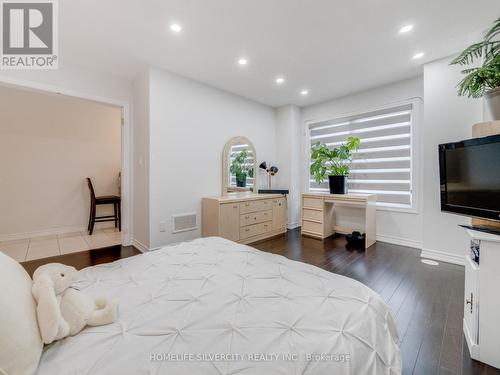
<point x="482" y="299"/>
<point x="471" y="316"/>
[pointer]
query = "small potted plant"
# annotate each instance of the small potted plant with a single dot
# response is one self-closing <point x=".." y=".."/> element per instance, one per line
<point x="240" y="168"/>
<point x="334" y="163"/>
<point x="483" y="80"/>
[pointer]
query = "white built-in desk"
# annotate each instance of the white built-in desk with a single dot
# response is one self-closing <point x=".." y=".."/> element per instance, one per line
<point x="322" y="217"/>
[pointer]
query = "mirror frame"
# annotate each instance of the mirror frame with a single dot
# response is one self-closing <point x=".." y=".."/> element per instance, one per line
<point x="225" y="165"/>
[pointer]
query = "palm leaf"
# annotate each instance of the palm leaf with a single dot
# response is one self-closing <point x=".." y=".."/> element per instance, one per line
<point x="469" y="54"/>
<point x="478" y="80"/>
<point x="495" y="30"/>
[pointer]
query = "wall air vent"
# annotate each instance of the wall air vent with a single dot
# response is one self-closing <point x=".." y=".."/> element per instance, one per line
<point x="184" y="222"/>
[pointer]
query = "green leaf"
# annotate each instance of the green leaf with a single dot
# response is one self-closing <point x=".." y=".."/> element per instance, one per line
<point x="479" y="79"/>
<point x="335" y="161"/>
<point x="495" y="30"/>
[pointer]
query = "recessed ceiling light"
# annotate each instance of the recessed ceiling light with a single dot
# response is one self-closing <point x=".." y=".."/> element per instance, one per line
<point x="176" y="28"/>
<point x="418" y="55"/>
<point x="304" y="92"/>
<point x="280" y="80"/>
<point x="406" y="29"/>
<point x="242" y="61"/>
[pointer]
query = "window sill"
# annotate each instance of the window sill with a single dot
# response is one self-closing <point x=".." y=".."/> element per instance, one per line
<point x="406" y="210"/>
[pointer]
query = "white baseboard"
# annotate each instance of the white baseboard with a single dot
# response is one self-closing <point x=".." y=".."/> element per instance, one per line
<point x="140" y="246"/>
<point x="399" y="241"/>
<point x="50" y="232"/>
<point x="473" y="348"/>
<point x="443" y="256"/>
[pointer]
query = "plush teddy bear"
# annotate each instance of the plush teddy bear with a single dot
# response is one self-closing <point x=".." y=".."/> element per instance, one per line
<point x="62" y="310"/>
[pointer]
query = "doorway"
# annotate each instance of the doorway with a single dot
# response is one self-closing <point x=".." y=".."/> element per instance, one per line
<point x="50" y="144"/>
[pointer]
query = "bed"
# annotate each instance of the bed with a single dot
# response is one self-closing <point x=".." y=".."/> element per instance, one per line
<point x="211" y="306"/>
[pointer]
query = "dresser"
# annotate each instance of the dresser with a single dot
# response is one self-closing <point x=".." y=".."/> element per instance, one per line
<point x="244" y="218"/>
<point x="326" y="214"/>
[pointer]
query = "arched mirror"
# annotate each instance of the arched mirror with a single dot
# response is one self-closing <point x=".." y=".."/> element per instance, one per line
<point x="239" y="166"/>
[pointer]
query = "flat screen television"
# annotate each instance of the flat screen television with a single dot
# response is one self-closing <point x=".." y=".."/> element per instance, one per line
<point x="470" y="177"/>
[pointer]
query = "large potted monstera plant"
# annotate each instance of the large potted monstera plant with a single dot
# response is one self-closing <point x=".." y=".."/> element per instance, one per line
<point x="241" y="168"/>
<point x="483" y="80"/>
<point x="334" y="163"/>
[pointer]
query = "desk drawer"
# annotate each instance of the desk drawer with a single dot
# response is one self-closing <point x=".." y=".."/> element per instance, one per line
<point x="257" y="205"/>
<point x="316" y="203"/>
<point x="312" y="215"/>
<point x="255" y="217"/>
<point x="254" y="230"/>
<point x="309" y="226"/>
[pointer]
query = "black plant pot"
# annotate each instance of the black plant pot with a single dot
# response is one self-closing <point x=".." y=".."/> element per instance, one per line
<point x="338" y="184"/>
<point x="241" y="183"/>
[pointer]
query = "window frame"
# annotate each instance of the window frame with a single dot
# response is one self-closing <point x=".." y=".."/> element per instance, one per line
<point x="416" y="155"/>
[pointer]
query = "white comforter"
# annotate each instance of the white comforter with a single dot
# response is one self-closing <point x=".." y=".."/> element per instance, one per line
<point x="212" y="306"/>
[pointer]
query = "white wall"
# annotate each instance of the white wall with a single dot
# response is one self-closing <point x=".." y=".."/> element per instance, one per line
<point x="141" y="162"/>
<point x="396" y="227"/>
<point x="49" y="144"/>
<point x="288" y="159"/>
<point x="189" y="125"/>
<point x="448" y="118"/>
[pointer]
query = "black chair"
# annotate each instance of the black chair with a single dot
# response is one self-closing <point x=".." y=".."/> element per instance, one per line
<point x="108" y="199"/>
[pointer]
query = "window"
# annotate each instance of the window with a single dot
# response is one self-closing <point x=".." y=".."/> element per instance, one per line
<point x="383" y="163"/>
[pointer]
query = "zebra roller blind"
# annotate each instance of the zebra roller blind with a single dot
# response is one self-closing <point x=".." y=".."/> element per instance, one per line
<point x="383" y="163"/>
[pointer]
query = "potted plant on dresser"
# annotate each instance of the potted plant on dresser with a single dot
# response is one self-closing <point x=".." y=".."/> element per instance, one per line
<point x="334" y="163"/>
<point x="483" y="80"/>
<point x="241" y="169"/>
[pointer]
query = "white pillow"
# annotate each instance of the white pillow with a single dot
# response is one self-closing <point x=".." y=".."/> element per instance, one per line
<point x="20" y="342"/>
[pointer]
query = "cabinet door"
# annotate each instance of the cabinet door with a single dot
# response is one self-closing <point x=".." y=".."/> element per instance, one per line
<point x="279" y="213"/>
<point x="471" y="300"/>
<point x="230" y="221"/>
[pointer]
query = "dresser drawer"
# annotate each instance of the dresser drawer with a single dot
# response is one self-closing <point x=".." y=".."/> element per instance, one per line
<point x="255" y="217"/>
<point x="312" y="215"/>
<point x="316" y="203"/>
<point x="257" y="205"/>
<point x="254" y="230"/>
<point x="309" y="226"/>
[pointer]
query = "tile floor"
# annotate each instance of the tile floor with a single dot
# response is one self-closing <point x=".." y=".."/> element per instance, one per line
<point x="48" y="246"/>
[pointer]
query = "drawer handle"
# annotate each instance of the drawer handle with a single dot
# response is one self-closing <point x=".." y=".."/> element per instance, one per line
<point x="265" y="226"/>
<point x="235" y="206"/>
<point x="265" y="214"/>
<point x="247" y="204"/>
<point x="247" y="230"/>
<point x="247" y="217"/>
<point x="255" y="218"/>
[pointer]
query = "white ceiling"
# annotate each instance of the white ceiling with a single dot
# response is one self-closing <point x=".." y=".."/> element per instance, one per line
<point x="330" y="47"/>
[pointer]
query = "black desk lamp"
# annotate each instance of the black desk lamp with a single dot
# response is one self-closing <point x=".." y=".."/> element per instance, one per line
<point x="271" y="171"/>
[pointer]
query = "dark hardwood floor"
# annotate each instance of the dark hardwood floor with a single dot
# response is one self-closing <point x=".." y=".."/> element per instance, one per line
<point x="85" y="258"/>
<point x="427" y="301"/>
